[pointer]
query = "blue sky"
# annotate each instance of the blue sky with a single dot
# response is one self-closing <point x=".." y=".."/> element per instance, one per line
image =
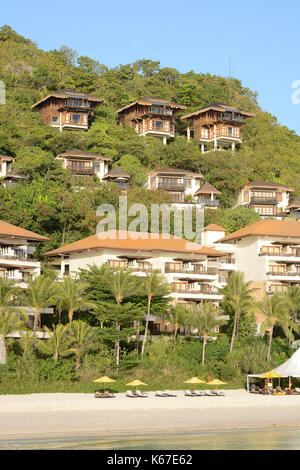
<point x="260" y="36"/>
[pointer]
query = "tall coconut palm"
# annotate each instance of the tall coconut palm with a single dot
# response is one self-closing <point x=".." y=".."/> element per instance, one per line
<point x="39" y="294"/>
<point x="153" y="285"/>
<point x="9" y="323"/>
<point x="275" y="311"/>
<point x="82" y="339"/>
<point x="123" y="285"/>
<point x="206" y="317"/>
<point x="291" y="297"/>
<point x="177" y="316"/>
<point x="72" y="295"/>
<point x="237" y="300"/>
<point x="59" y="342"/>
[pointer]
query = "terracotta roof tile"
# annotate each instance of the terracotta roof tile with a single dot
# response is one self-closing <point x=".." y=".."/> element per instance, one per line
<point x="9" y="230"/>
<point x="119" y="240"/>
<point x="267" y="227"/>
<point x="214" y="228"/>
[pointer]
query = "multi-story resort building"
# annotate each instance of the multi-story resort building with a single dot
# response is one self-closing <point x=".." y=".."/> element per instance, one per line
<point x="193" y="271"/>
<point x="265" y="197"/>
<point x="151" y="116"/>
<point x="82" y="163"/>
<point x="180" y="184"/>
<point x="268" y="252"/>
<point x="67" y="109"/>
<point x="216" y="123"/>
<point x="16" y="258"/>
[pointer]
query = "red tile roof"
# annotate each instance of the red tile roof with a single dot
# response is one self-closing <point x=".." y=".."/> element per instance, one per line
<point x="119" y="240"/>
<point x="12" y="231"/>
<point x="267" y="227"/>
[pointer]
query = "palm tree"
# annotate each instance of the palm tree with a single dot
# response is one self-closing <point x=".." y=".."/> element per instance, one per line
<point x="9" y="322"/>
<point x="275" y="310"/>
<point x="72" y="295"/>
<point x="27" y="342"/>
<point x="82" y="340"/>
<point x="206" y="318"/>
<point x="40" y="294"/>
<point x="58" y="344"/>
<point x="291" y="297"/>
<point x="177" y="316"/>
<point x="237" y="300"/>
<point x="123" y="285"/>
<point x="153" y="285"/>
<point x="8" y="292"/>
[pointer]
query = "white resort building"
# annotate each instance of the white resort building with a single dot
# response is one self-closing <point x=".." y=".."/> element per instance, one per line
<point x="194" y="271"/>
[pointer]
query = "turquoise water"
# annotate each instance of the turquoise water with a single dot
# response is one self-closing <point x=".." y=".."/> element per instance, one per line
<point x="259" y="439"/>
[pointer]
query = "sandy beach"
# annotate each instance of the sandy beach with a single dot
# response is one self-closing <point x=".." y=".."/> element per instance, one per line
<point x="65" y="414"/>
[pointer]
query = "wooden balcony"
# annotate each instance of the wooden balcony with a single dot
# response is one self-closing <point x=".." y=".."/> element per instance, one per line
<point x="263" y="200"/>
<point x="159" y="127"/>
<point x="208" y="134"/>
<point x="171" y="186"/>
<point x="80" y="170"/>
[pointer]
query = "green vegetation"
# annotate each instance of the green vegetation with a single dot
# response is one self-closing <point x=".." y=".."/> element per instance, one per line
<point x="102" y="340"/>
<point x="45" y="201"/>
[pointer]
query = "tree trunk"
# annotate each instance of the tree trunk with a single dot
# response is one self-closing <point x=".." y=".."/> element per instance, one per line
<point x="270" y="342"/>
<point x="36" y="320"/>
<point x="55" y="357"/>
<point x="59" y="314"/>
<point x="234" y="331"/>
<point x="137" y="336"/>
<point x="70" y="315"/>
<point x="2" y="351"/>
<point x="203" y="349"/>
<point x="146" y="327"/>
<point x="175" y="337"/>
<point x="77" y="362"/>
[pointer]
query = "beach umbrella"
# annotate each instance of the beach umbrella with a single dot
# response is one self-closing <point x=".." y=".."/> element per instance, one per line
<point x="271" y="375"/>
<point x="104" y="380"/>
<point x="136" y="383"/>
<point x="216" y="382"/>
<point x="194" y="380"/>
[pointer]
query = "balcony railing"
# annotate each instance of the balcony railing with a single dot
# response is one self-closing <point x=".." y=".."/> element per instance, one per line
<point x="285" y="273"/>
<point x="263" y="200"/>
<point x="81" y="170"/>
<point x="224" y="132"/>
<point x="183" y="270"/>
<point x="171" y="186"/>
<point x="76" y="104"/>
<point x="198" y="290"/>
<point x="295" y="253"/>
<point x="209" y="202"/>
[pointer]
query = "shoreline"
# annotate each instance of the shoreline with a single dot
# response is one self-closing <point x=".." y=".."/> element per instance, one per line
<point x="76" y="416"/>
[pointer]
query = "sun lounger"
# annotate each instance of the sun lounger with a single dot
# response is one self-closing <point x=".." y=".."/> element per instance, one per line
<point x="191" y="393"/>
<point x="99" y="394"/>
<point x="160" y="394"/>
<point x="131" y="394"/>
<point x="209" y="393"/>
<point x="169" y="393"/>
<point x="141" y="394"/>
<point x="220" y="394"/>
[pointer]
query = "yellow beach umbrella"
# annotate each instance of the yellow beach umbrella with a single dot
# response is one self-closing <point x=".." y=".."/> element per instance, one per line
<point x="271" y="375"/>
<point x="104" y="380"/>
<point x="216" y="382"/>
<point x="136" y="383"/>
<point x="194" y="380"/>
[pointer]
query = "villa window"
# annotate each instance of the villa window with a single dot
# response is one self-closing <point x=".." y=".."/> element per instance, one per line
<point x="54" y="118"/>
<point x="117" y="264"/>
<point x="271" y="250"/>
<point x="188" y="183"/>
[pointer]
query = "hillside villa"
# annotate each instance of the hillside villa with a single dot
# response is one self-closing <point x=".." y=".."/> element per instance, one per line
<point x="265" y="197"/>
<point x="82" y="163"/>
<point x="216" y="123"/>
<point x="151" y="116"/>
<point x="67" y="109"/>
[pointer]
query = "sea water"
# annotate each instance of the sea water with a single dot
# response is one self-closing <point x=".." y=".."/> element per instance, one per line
<point x="283" y="438"/>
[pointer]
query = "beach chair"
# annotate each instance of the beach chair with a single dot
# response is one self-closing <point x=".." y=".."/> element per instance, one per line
<point x="190" y="393"/>
<point x="160" y="394"/>
<point x="141" y="394"/>
<point x="209" y="393"/>
<point x="131" y="394"/>
<point x="105" y="394"/>
<point x="219" y="393"/>
<point x="168" y="393"/>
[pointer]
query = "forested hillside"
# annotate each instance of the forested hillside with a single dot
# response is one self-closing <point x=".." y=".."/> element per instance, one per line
<point x="45" y="203"/>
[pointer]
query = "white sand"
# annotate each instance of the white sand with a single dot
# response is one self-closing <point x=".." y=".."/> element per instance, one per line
<point x="81" y="414"/>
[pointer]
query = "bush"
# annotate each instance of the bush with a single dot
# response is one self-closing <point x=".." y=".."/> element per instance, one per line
<point x="61" y="370"/>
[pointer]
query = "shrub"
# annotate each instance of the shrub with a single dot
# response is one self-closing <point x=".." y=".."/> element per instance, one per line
<point x="61" y="370"/>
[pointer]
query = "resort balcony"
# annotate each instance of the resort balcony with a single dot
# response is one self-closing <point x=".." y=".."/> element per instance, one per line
<point x="77" y="170"/>
<point x="171" y="186"/>
<point x="263" y="200"/>
<point x="208" y="134"/>
<point x="292" y="276"/>
<point x="197" y="294"/>
<point x="209" y="202"/>
<point x="156" y="127"/>
<point x="159" y="111"/>
<point x="284" y="255"/>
